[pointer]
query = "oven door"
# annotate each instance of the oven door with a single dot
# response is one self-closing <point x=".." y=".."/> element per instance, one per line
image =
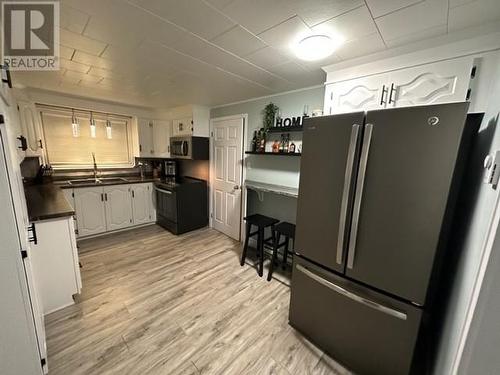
<point x="166" y="208"/>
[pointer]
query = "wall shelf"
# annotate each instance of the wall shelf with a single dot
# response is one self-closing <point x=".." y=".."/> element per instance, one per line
<point x="272" y="153"/>
<point x="285" y="129"/>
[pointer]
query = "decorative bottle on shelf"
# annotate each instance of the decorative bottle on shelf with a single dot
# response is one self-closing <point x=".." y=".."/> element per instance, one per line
<point x="254" y="142"/>
<point x="291" y="149"/>
<point x="276" y="146"/>
<point x="286" y="143"/>
<point x="262" y="143"/>
<point x="282" y="144"/>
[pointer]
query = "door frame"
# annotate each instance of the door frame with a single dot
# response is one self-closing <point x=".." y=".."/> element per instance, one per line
<point x="244" y="117"/>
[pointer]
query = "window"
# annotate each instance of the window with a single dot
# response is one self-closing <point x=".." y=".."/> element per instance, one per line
<point x="64" y="151"/>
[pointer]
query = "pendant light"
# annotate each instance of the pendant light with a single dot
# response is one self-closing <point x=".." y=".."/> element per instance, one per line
<point x="108" y="129"/>
<point x="75" y="126"/>
<point x="92" y="126"/>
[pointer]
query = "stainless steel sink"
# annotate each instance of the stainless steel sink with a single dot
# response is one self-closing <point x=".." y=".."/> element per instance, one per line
<point x="84" y="181"/>
<point x="110" y="180"/>
<point x="93" y="181"/>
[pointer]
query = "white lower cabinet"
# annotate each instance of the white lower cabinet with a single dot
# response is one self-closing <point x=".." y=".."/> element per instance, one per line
<point x="90" y="211"/>
<point x="142" y="204"/>
<point x="118" y="206"/>
<point x="108" y="208"/>
<point x="54" y="258"/>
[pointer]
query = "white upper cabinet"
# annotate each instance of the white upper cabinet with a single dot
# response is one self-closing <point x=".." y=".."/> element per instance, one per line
<point x="90" y="211"/>
<point x="118" y="206"/>
<point x="146" y="147"/>
<point x="183" y="126"/>
<point x="161" y="138"/>
<point x="154" y="138"/>
<point x="141" y="203"/>
<point x="441" y="82"/>
<point x="31" y="128"/>
<point x="359" y="94"/>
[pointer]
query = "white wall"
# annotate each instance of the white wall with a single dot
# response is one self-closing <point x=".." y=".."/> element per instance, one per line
<point x="470" y="239"/>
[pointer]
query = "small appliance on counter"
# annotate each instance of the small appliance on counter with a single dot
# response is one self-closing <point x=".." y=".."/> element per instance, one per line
<point x="182" y="204"/>
<point x="169" y="170"/>
<point x="194" y="148"/>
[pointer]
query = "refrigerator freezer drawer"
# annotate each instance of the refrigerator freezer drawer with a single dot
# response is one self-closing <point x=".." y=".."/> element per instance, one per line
<point x="368" y="332"/>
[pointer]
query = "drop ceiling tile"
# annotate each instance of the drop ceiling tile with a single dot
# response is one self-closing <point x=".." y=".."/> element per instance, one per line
<point x="85" y="58"/>
<point x="364" y="45"/>
<point x="260" y="15"/>
<point x="351" y="25"/>
<point x="82" y="43"/>
<point x="66" y="52"/>
<point x="314" y="12"/>
<point x="239" y="41"/>
<point x="72" y="19"/>
<point x="473" y="13"/>
<point x="290" y="71"/>
<point x="219" y="3"/>
<point x="267" y="57"/>
<point x="419" y="35"/>
<point x="88" y="79"/>
<point x="117" y="33"/>
<point x="193" y="15"/>
<point x="455" y="3"/>
<point x="283" y="36"/>
<point x="74" y="66"/>
<point x="98" y="72"/>
<point x="382" y="7"/>
<point x="413" y="19"/>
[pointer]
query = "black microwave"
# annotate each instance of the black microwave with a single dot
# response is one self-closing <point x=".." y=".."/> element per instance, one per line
<point x="194" y="148"/>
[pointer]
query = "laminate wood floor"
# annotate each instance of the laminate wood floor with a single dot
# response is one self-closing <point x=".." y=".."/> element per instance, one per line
<point x="155" y="303"/>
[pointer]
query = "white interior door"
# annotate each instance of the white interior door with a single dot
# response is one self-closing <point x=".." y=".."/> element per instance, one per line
<point x="227" y="169"/>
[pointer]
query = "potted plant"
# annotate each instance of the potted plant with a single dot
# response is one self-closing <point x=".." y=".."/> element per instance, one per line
<point x="268" y="115"/>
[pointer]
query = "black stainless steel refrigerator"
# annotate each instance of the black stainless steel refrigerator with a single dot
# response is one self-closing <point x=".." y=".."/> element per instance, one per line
<point x="375" y="196"/>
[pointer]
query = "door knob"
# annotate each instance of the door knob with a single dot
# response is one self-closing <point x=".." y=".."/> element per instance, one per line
<point x="236" y="187"/>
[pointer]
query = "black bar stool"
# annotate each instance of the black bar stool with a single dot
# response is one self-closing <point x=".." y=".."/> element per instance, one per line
<point x="261" y="222"/>
<point x="282" y="229"/>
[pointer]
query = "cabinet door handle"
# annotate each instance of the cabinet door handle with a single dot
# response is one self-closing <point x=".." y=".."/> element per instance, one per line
<point x="7" y="79"/>
<point x="24" y="143"/>
<point x="33" y="237"/>
<point x="133" y="194"/>
<point x="102" y="197"/>
<point x="384" y="92"/>
<point x="393" y="90"/>
<point x="106" y="197"/>
<point x="40" y="142"/>
<point x="140" y="148"/>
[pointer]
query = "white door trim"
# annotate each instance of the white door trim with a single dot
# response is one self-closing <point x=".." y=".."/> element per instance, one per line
<point x="493" y="232"/>
<point x="244" y="117"/>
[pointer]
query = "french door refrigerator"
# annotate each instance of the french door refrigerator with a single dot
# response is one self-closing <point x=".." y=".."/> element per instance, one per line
<point x="375" y="196"/>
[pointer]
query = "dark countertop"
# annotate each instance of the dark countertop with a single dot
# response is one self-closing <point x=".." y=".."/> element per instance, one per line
<point x="63" y="184"/>
<point x="46" y="202"/>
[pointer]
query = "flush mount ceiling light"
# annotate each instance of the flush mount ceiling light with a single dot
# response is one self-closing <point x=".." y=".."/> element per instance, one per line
<point x="317" y="47"/>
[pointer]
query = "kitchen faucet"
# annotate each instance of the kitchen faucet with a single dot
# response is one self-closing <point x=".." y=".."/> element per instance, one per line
<point x="141" y="169"/>
<point x="95" y="167"/>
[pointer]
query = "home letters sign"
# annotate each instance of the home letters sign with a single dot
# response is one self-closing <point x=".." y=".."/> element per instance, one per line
<point x="294" y="121"/>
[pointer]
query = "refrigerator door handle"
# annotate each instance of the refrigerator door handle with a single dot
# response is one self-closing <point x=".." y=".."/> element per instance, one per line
<point x="350" y="295"/>
<point x="359" y="194"/>
<point x="346" y="191"/>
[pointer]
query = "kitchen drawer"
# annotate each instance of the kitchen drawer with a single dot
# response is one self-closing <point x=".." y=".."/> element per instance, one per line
<point x="368" y="332"/>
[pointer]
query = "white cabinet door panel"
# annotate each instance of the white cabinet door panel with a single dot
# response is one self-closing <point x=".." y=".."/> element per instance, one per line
<point x="359" y="94"/>
<point x="146" y="146"/>
<point x="118" y="207"/>
<point x="31" y="128"/>
<point x="442" y="82"/>
<point x="141" y="206"/>
<point x="90" y="212"/>
<point x="183" y="126"/>
<point x="161" y="138"/>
